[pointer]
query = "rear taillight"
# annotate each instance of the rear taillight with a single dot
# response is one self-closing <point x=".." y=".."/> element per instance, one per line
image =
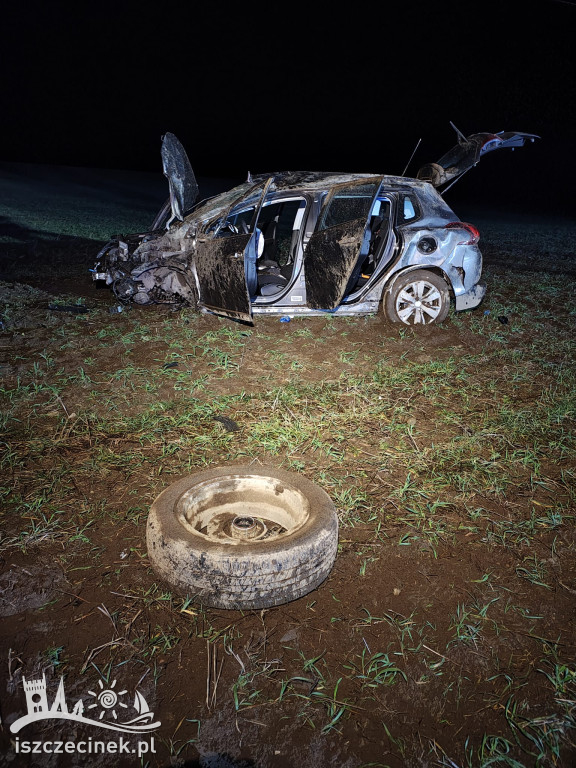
<point x="470" y="228"/>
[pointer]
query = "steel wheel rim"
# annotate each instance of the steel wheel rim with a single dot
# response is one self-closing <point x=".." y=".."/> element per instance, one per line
<point x="237" y="510"/>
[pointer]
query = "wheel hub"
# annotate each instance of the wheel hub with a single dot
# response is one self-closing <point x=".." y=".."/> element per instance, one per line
<point x="247" y="528"/>
<point x="236" y="510"/>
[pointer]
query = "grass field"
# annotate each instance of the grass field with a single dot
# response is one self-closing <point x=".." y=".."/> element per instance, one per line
<point x="445" y="635"/>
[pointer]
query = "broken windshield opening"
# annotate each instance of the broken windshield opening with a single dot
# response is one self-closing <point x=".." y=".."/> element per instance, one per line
<point x="221" y="203"/>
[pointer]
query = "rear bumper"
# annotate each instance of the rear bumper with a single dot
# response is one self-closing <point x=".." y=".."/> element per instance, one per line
<point x="472" y="298"/>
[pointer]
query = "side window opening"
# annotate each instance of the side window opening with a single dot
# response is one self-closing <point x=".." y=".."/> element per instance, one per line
<point x="243" y="220"/>
<point x="240" y="219"/>
<point x="348" y="204"/>
<point x="408" y="209"/>
<point x="233" y="224"/>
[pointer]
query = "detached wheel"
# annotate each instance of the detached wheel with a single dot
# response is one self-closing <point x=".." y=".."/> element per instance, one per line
<point x="243" y="537"/>
<point x="419" y="297"/>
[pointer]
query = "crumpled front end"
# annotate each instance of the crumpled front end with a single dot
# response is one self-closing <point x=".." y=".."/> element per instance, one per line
<point x="149" y="268"/>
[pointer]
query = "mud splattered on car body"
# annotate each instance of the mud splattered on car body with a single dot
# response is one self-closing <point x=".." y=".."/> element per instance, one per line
<point x="306" y="243"/>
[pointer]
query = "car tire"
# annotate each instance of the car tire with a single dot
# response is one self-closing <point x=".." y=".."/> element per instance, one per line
<point x="194" y="543"/>
<point x="418" y="297"/>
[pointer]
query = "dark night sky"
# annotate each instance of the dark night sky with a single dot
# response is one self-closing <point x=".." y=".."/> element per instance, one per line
<point x="287" y="87"/>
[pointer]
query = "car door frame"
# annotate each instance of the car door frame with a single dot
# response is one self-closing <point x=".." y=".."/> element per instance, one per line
<point x="332" y="253"/>
<point x="220" y="262"/>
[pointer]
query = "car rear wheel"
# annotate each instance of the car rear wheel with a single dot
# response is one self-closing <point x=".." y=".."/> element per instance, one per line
<point x="243" y="537"/>
<point x="419" y="297"/>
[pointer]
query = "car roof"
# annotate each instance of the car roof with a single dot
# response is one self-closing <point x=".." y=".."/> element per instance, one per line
<point x="298" y="182"/>
<point x="303" y="181"/>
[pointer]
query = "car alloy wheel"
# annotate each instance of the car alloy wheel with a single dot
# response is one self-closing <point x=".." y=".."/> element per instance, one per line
<point x="418" y="298"/>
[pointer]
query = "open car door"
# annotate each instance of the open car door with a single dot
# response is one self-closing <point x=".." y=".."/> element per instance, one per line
<point x="467" y="154"/>
<point x="334" y="248"/>
<point x="226" y="259"/>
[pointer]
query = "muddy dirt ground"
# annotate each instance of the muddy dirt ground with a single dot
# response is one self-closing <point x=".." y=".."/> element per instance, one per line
<point x="449" y="644"/>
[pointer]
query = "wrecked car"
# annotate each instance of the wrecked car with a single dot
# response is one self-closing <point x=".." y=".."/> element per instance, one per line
<point x="301" y="243"/>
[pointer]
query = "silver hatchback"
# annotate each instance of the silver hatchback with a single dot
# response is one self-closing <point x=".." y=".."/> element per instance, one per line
<point x="300" y="243"/>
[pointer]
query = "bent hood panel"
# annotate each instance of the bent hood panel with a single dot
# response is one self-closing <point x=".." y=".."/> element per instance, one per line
<point x="467" y="154"/>
<point x="181" y="179"/>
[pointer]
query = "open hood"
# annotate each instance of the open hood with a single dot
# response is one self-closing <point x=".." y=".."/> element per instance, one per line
<point x="181" y="179"/>
<point x="468" y="152"/>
